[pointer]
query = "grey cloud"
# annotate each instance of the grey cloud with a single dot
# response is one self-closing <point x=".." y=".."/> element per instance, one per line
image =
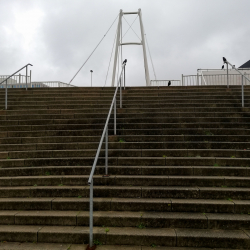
<point x="182" y="35"/>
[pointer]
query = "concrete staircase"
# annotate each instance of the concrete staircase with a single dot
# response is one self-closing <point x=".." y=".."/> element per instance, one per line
<point x="180" y="168"/>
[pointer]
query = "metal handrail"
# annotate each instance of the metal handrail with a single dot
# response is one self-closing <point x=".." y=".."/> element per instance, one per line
<point x="6" y="80"/>
<point x="242" y="76"/>
<point x="104" y="134"/>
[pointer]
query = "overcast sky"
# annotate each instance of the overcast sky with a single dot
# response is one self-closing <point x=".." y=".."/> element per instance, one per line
<point x="57" y="36"/>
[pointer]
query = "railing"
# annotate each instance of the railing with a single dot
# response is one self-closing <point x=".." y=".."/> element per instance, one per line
<point x="165" y="82"/>
<point x="242" y="79"/>
<point x="212" y="79"/>
<point x="15" y="81"/>
<point x="6" y="80"/>
<point x="50" y="84"/>
<point x="104" y="134"/>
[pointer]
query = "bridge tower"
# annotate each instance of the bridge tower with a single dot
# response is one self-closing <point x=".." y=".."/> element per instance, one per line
<point x="120" y="43"/>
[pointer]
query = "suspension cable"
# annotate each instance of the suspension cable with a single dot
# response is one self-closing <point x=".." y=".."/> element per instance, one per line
<point x="150" y="56"/>
<point x="110" y="58"/>
<point x="130" y="26"/>
<point x="93" y="51"/>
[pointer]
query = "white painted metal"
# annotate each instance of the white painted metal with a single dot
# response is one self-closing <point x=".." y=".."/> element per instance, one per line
<point x="116" y="47"/>
<point x="130" y="13"/>
<point x="6" y="80"/>
<point x="150" y="56"/>
<point x="227" y="77"/>
<point x="119" y="43"/>
<point x="6" y="95"/>
<point x="106" y="150"/>
<point x="212" y="79"/>
<point x="144" y="50"/>
<point x="50" y="84"/>
<point x="131" y="43"/>
<point x="242" y="91"/>
<point x="90" y="180"/>
<point x="165" y="83"/>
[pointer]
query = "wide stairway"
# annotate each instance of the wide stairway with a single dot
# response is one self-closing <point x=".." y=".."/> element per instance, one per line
<point x="179" y="168"/>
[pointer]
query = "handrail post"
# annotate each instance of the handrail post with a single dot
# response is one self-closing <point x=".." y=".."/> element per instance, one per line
<point x="19" y="78"/>
<point x="106" y="152"/>
<point x="120" y="93"/>
<point x="30" y="78"/>
<point x="182" y="78"/>
<point x="124" y="77"/>
<point x="115" y="117"/>
<point x="227" y="77"/>
<point x="91" y="214"/>
<point x="242" y="91"/>
<point x="26" y="75"/>
<point x="6" y="94"/>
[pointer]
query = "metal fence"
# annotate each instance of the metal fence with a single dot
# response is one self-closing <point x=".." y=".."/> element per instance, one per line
<point x="19" y="82"/>
<point x="165" y="83"/>
<point x="15" y="81"/>
<point x="50" y="84"/>
<point x="215" y="79"/>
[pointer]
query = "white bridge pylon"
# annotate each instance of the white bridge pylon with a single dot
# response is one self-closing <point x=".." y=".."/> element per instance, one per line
<point x="120" y="43"/>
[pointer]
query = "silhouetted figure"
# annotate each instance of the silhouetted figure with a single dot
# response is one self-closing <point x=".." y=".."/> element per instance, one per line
<point x="169" y="83"/>
<point x="222" y="67"/>
<point x="224" y="59"/>
<point x="125" y="61"/>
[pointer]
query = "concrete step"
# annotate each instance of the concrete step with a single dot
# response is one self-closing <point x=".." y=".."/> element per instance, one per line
<point x="127" y="161"/>
<point x="127" y="138"/>
<point x="56" y="246"/>
<point x="126" y="145"/>
<point x="41" y="125"/>
<point x="124" y="110"/>
<point x="140" y="219"/>
<point x="125" y="180"/>
<point x="122" y="115"/>
<point x="229" y="153"/>
<point x="177" y="192"/>
<point x="69" y="119"/>
<point x="39" y="246"/>
<point x="127" y="204"/>
<point x="134" y="236"/>
<point x="128" y="170"/>
<point x="186" y="133"/>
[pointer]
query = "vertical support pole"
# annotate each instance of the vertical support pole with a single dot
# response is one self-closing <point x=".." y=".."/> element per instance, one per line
<point x="19" y="78"/>
<point x="91" y="214"/>
<point x="227" y="77"/>
<point x="182" y="80"/>
<point x="106" y="151"/>
<point x="121" y="41"/>
<point x="116" y="47"/>
<point x="197" y="81"/>
<point x="30" y="78"/>
<point x="115" y="117"/>
<point x="124" y="77"/>
<point x="144" y="50"/>
<point x="120" y="93"/>
<point x="242" y="91"/>
<point x="26" y="76"/>
<point x="6" y="95"/>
